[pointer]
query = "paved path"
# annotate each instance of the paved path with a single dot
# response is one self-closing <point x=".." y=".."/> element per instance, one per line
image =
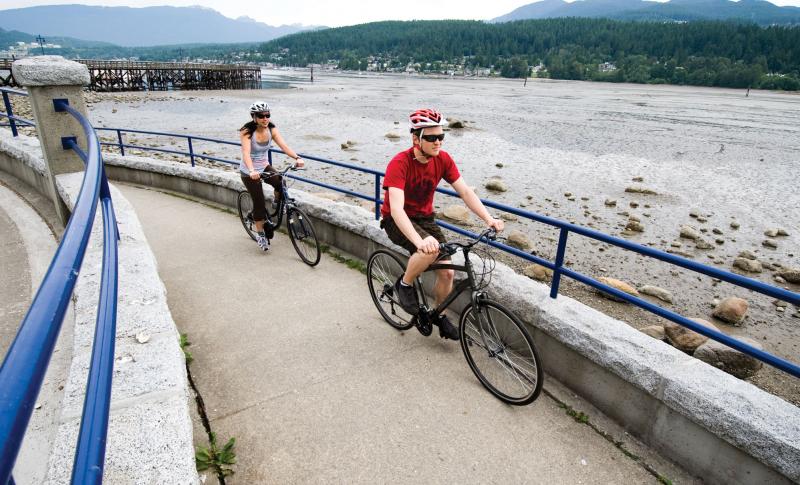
<point x="296" y="363"/>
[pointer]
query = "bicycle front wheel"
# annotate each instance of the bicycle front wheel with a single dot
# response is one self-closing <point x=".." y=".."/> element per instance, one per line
<point x="244" y="205"/>
<point x="303" y="236"/>
<point x="383" y="270"/>
<point x="501" y="353"/>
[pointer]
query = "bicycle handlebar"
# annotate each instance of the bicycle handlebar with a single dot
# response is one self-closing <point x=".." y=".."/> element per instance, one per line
<point x="489" y="234"/>
<point x="293" y="167"/>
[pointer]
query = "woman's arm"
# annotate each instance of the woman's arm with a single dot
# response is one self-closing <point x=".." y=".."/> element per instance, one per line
<point x="248" y="162"/>
<point x="276" y="135"/>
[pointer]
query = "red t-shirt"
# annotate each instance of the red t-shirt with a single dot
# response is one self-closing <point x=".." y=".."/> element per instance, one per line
<point x="417" y="180"/>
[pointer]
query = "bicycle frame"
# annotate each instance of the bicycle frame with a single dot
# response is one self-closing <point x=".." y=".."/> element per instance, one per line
<point x="458" y="288"/>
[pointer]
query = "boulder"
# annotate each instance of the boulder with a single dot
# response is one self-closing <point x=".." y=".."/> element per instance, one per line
<point x="455" y="123"/>
<point x="538" y="272"/>
<point x="637" y="189"/>
<point x="689" y="232"/>
<point x="496" y="185"/>
<point x="701" y="243"/>
<point x="657" y="292"/>
<point x="393" y="136"/>
<point x="792" y="275"/>
<point x="735" y="225"/>
<point x="655" y="331"/>
<point x="769" y="243"/>
<point x="634" y="225"/>
<point x="771" y="233"/>
<point x="519" y="240"/>
<point x="611" y="203"/>
<point x="618" y="285"/>
<point x="683" y="338"/>
<point x="749" y="265"/>
<point x="729" y="360"/>
<point x="732" y="310"/>
<point x="747" y="254"/>
<point x="456" y="213"/>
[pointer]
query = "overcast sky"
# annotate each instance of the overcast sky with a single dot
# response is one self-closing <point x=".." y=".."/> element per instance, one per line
<point x="332" y="13"/>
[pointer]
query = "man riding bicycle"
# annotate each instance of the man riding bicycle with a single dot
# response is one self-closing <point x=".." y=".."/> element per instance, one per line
<point x="407" y="212"/>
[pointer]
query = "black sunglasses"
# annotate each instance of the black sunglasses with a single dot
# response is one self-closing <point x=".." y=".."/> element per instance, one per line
<point x="433" y="138"/>
<point x="262" y="115"/>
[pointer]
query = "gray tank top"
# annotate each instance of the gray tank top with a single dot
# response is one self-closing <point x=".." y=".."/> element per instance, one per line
<point x="258" y="153"/>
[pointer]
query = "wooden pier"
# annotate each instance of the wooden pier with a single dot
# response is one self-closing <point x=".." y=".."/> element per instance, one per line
<point x="158" y="76"/>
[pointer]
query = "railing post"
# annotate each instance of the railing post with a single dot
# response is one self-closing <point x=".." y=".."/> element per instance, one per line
<point x="121" y="145"/>
<point x="377" y="196"/>
<point x="48" y="78"/>
<point x="562" y="248"/>
<point x="191" y="150"/>
<point x="269" y="156"/>
<point x="10" y="113"/>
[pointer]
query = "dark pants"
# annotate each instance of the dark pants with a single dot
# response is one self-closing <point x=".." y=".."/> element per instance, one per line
<point x="257" y="192"/>
<point x="424" y="225"/>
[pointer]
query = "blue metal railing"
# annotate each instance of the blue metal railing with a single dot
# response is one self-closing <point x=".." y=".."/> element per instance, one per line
<point x="557" y="266"/>
<point x="26" y="362"/>
<point x="9" y="113"/>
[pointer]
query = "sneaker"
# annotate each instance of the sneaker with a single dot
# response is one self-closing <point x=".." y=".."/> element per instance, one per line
<point x="447" y="329"/>
<point x="407" y="297"/>
<point x="263" y="242"/>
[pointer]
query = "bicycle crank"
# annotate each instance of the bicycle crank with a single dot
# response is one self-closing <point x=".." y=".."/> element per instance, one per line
<point x="423" y="323"/>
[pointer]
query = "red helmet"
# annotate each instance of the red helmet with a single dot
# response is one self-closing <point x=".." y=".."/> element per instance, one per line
<point x="425" y="118"/>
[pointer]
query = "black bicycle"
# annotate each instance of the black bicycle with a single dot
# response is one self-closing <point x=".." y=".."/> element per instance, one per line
<point x="298" y="225"/>
<point x="498" y="348"/>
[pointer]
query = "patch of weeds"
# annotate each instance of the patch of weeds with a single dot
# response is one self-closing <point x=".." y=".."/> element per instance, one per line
<point x="350" y="263"/>
<point x="185" y="343"/>
<point x="664" y="480"/>
<point x="218" y="460"/>
<point x="578" y="416"/>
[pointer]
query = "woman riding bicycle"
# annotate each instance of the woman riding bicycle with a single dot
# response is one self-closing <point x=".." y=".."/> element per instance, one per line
<point x="256" y="137"/>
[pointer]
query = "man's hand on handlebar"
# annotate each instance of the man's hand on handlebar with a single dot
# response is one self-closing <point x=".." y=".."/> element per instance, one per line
<point x="429" y="245"/>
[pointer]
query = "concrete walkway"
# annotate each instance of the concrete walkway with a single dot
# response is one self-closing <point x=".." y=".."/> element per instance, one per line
<point x="297" y="365"/>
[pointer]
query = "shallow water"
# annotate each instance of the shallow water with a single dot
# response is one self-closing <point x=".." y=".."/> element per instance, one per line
<point x="720" y="153"/>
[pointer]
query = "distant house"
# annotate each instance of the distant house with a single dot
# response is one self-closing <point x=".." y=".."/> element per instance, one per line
<point x="606" y="67"/>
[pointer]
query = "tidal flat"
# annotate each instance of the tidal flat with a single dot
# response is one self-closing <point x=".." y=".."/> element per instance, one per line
<point x="599" y="155"/>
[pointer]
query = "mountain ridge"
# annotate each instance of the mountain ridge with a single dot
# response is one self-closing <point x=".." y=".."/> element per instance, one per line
<point x="140" y="26"/>
<point x="761" y="12"/>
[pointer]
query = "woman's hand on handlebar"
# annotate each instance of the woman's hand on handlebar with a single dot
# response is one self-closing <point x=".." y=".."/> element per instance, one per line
<point x="299" y="163"/>
<point x="496" y="224"/>
<point x="255" y="174"/>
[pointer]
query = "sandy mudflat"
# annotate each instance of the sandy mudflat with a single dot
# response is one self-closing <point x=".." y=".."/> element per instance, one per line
<point x="714" y="152"/>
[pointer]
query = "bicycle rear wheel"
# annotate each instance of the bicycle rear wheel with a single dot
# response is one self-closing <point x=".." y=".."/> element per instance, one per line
<point x="501" y="353"/>
<point x="303" y="236"/>
<point x="383" y="270"/>
<point x="244" y="205"/>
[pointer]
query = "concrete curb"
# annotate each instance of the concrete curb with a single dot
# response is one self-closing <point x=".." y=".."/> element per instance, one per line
<point x="150" y="396"/>
<point x="714" y="425"/>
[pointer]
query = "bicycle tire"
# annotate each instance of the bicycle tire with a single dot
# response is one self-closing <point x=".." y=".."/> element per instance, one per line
<point x="244" y="205"/>
<point x="383" y="270"/>
<point x="506" y="362"/>
<point x="304" y="238"/>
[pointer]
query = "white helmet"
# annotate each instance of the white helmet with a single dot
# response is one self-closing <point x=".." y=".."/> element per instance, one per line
<point x="425" y="118"/>
<point x="259" y="107"/>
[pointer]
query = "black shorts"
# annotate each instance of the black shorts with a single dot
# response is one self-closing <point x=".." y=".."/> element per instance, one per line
<point x="424" y="225"/>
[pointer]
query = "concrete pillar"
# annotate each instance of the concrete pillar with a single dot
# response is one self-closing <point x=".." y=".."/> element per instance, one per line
<point x="48" y="78"/>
